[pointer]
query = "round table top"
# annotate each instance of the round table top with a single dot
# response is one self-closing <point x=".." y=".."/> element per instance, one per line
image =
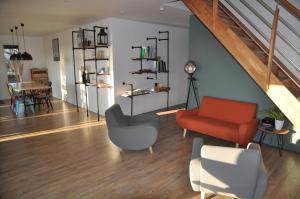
<point x="274" y="131"/>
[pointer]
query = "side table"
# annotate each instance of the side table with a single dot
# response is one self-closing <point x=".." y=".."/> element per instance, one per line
<point x="279" y="134"/>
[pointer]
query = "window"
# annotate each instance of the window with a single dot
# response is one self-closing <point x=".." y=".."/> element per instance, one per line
<point x="8" y="51"/>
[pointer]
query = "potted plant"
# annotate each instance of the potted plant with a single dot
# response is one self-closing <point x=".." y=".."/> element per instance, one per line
<point x="275" y="113"/>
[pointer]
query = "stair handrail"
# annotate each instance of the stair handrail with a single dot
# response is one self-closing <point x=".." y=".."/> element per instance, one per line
<point x="281" y="19"/>
<point x="272" y="44"/>
<point x="261" y="33"/>
<point x="267" y="23"/>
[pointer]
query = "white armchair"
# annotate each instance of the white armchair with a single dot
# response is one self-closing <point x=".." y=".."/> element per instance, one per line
<point x="233" y="172"/>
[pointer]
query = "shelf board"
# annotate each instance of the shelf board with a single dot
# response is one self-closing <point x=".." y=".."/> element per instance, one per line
<point x="147" y="93"/>
<point x="96" y="59"/>
<point x="93" y="73"/>
<point x="143" y="71"/>
<point x="99" y="85"/>
<point x="148" y="59"/>
<point x="86" y="47"/>
<point x="163" y="71"/>
<point x="102" y="46"/>
<point x="79" y="83"/>
<point x="103" y="74"/>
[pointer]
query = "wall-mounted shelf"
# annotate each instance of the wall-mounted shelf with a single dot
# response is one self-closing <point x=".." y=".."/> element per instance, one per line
<point x="152" y="91"/>
<point x="143" y="71"/>
<point x="147" y="59"/>
<point x="97" y="59"/>
<point x="155" y="58"/>
<point x="91" y="46"/>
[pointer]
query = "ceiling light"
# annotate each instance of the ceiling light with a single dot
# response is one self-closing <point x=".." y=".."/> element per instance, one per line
<point x="25" y="55"/>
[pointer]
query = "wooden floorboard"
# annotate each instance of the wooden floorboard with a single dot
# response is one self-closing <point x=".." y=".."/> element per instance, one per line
<point x="70" y="156"/>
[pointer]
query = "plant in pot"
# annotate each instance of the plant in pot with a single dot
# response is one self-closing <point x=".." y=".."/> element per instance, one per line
<point x="275" y="113"/>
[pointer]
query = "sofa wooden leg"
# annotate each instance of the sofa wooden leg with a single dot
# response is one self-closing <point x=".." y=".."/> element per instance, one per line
<point x="184" y="132"/>
<point x="150" y="149"/>
<point x="202" y="195"/>
<point x="237" y="145"/>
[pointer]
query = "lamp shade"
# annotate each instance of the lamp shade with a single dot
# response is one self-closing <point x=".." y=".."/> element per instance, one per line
<point x="190" y="67"/>
<point x="26" y="56"/>
<point x="15" y="56"/>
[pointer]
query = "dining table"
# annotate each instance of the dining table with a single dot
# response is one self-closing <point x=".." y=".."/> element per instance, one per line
<point x="27" y="88"/>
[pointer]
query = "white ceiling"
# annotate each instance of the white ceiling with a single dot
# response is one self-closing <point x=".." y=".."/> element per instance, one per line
<point x="42" y="17"/>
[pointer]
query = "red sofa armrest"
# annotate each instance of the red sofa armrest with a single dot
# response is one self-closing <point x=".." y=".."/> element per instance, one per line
<point x="247" y="132"/>
<point x="181" y="113"/>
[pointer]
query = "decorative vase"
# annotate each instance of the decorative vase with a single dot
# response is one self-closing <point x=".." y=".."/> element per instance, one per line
<point x="279" y="124"/>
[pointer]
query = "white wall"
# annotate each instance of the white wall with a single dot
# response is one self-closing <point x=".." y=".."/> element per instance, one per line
<point x="34" y="46"/>
<point x="122" y="35"/>
<point x="127" y="33"/>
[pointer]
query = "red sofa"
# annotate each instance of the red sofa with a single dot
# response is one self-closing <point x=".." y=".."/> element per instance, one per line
<point x="221" y="118"/>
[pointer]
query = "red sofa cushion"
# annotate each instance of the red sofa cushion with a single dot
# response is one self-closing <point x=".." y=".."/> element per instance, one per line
<point x="227" y="110"/>
<point x="213" y="127"/>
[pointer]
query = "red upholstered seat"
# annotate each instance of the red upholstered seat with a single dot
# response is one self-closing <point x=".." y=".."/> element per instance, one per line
<point x="222" y="118"/>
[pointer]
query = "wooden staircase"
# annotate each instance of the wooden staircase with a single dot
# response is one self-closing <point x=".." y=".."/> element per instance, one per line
<point x="282" y="87"/>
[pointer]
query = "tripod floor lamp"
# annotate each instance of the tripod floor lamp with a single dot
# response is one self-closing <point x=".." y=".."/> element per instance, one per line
<point x="190" y="68"/>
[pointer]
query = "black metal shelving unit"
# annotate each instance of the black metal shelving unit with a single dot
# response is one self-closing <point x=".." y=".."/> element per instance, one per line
<point x="148" y="71"/>
<point x="167" y="39"/>
<point x="94" y="46"/>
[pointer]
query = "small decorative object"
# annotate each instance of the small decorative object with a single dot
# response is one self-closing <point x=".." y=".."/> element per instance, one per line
<point x="103" y="70"/>
<point x="55" y="48"/>
<point x="275" y="113"/>
<point x="190" y="68"/>
<point x="102" y="37"/>
<point x="84" y="77"/>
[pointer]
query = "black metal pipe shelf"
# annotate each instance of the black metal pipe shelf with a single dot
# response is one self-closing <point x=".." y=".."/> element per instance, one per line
<point x="85" y="48"/>
<point x="149" y="71"/>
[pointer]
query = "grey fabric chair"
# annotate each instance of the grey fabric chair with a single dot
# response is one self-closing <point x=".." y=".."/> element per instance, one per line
<point x="131" y="133"/>
<point x="233" y="172"/>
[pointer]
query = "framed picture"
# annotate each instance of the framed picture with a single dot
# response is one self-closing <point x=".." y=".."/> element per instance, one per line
<point x="55" y="47"/>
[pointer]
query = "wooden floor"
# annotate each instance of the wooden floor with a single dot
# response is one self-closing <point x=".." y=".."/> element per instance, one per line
<point x="65" y="155"/>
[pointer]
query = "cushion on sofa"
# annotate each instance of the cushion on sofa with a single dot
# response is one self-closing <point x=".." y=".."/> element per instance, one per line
<point x="227" y="110"/>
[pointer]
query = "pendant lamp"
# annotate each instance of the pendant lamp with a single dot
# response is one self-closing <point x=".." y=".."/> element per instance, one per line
<point x="19" y="55"/>
<point x="25" y="55"/>
<point x="14" y="55"/>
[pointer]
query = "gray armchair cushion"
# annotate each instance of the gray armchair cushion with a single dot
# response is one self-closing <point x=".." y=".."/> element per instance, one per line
<point x="131" y="133"/>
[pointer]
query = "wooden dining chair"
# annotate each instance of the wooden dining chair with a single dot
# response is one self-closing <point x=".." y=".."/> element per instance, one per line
<point x="43" y="97"/>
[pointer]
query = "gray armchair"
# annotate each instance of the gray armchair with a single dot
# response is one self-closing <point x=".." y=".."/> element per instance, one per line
<point x="233" y="172"/>
<point x="131" y="132"/>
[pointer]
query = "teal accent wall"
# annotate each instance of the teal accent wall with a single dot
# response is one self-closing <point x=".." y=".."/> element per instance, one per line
<point x="220" y="75"/>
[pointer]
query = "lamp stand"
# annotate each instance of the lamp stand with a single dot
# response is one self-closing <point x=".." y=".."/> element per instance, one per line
<point x="191" y="84"/>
